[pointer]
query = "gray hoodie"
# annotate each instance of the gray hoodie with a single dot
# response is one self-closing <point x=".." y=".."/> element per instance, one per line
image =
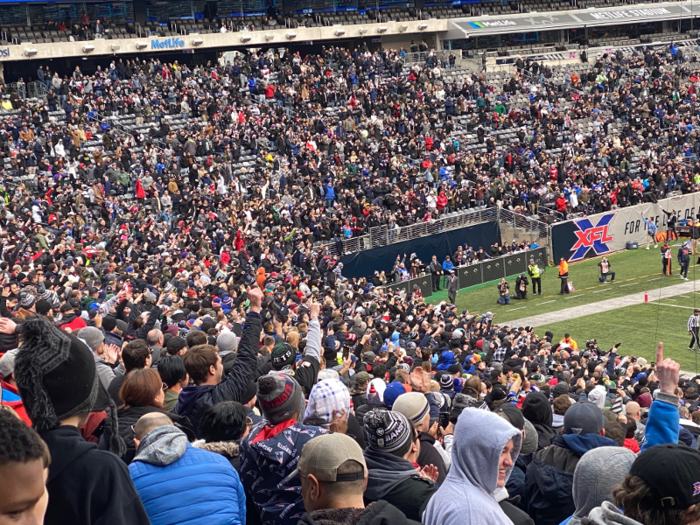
<point x="598" y="471"/>
<point x="467" y="496"/>
<point x="607" y="514"/>
<point x="162" y="446"/>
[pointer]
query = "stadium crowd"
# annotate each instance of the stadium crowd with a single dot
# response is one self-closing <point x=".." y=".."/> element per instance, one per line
<point x="183" y="346"/>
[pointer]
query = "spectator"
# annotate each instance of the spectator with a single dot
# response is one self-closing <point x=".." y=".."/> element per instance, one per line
<point x="656" y="490"/>
<point x="167" y="467"/>
<point x="416" y="408"/>
<point x="549" y="478"/>
<point x="24" y="463"/>
<point x="485" y="451"/>
<point x="333" y="479"/>
<point x="203" y="365"/>
<point x="595" y="476"/>
<point x="174" y="376"/>
<point x="134" y="356"/>
<point x="271" y="450"/>
<point x="393" y="446"/>
<point x="141" y="393"/>
<point x="223" y="426"/>
<point x="58" y="382"/>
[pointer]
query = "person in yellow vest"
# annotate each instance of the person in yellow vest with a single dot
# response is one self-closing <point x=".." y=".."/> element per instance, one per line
<point x="564" y="276"/>
<point x="535" y="274"/>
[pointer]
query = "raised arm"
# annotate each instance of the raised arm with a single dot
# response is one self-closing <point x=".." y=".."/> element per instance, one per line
<point x="663" y="424"/>
<point x="313" y="339"/>
<point x="244" y="368"/>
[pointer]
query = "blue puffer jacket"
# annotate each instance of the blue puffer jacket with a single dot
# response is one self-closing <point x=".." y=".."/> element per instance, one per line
<point x="205" y="486"/>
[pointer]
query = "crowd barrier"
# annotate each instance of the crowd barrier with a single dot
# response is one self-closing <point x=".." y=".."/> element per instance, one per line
<point x="483" y="272"/>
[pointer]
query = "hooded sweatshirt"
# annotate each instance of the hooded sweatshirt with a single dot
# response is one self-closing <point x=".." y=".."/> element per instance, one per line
<point x="607" y="514"/>
<point x="467" y="496"/>
<point x="598" y="471"/>
<point x="447" y="359"/>
<point x="538" y="411"/>
<point x="167" y="468"/>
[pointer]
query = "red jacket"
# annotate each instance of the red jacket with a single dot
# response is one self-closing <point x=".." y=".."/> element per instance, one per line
<point x="11" y="398"/>
<point x="74" y="324"/>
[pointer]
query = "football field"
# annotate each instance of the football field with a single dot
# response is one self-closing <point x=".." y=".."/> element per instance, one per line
<point x="610" y="313"/>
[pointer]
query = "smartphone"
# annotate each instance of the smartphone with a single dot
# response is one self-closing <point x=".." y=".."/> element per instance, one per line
<point x="444" y="419"/>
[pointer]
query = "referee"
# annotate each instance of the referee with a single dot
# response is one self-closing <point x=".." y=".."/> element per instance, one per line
<point x="693" y="325"/>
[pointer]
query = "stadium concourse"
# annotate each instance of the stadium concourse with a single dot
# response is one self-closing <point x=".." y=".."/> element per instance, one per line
<point x="181" y="344"/>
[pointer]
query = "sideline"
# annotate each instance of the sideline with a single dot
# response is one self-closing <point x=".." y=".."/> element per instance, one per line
<point x="604" y="306"/>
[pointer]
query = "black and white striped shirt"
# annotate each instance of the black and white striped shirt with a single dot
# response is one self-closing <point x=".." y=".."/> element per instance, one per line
<point x="693" y="322"/>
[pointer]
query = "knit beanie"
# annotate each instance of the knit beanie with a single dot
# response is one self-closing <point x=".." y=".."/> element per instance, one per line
<point x="43" y="307"/>
<point x="446" y="382"/>
<point x="413" y="405"/>
<point x="325" y="397"/>
<point x="227" y="342"/>
<point x="280" y="397"/>
<point x="26" y="301"/>
<point x="57" y="379"/>
<point x="283" y="356"/>
<point x="387" y="431"/>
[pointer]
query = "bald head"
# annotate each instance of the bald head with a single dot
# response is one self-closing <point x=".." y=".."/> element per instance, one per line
<point x="150" y="422"/>
<point x="633" y="410"/>
<point x="154" y="337"/>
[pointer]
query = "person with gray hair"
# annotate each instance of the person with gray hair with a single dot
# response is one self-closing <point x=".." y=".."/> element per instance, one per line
<point x="154" y="339"/>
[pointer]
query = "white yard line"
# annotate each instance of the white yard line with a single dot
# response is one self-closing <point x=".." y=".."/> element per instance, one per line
<point x="607" y="305"/>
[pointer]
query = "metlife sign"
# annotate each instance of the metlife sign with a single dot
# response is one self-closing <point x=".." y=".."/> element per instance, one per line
<point x="168" y="43"/>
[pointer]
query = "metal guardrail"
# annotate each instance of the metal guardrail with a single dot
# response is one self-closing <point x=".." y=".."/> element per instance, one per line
<point x="383" y="235"/>
<point x="519" y="221"/>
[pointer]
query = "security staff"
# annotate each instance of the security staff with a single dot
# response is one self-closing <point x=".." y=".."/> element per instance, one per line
<point x="693" y="325"/>
<point x="535" y="274"/>
<point x="452" y="286"/>
<point x="564" y="276"/>
<point x="435" y="273"/>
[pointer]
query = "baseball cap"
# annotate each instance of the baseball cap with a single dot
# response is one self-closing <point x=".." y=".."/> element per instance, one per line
<point x="323" y="456"/>
<point x="583" y="418"/>
<point x="673" y="471"/>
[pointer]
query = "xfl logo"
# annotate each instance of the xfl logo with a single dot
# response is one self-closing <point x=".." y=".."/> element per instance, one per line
<point x="590" y="236"/>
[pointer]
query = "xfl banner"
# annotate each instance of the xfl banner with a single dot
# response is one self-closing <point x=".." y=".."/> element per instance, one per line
<point x="608" y="232"/>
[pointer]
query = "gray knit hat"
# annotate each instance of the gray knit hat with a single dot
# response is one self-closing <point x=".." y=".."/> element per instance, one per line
<point x="92" y="336"/>
<point x="280" y="397"/>
<point x="387" y="431"/>
<point x="26" y="300"/>
<point x="227" y="342"/>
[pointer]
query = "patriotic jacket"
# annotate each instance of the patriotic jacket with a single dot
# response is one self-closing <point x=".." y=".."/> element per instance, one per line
<point x="269" y="457"/>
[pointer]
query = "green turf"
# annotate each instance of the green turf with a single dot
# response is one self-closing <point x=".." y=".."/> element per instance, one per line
<point x="639" y="328"/>
<point x="634" y="268"/>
